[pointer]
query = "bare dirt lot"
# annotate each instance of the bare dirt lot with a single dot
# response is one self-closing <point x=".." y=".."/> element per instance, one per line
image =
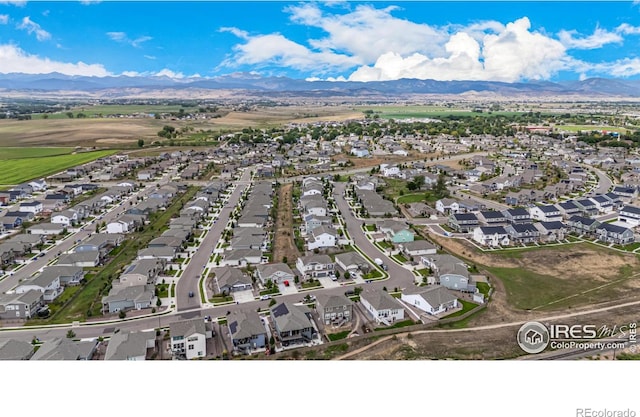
<point x="284" y="245"/>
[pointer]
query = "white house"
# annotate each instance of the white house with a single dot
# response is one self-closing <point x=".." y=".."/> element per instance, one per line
<point x="491" y="236"/>
<point x="383" y="308"/>
<point x="630" y="215"/>
<point x="118" y="226"/>
<point x="315" y="266"/>
<point x="432" y="299"/>
<point x="34" y="207"/>
<point x="321" y="237"/>
<point x="66" y="218"/>
<point x="447" y="206"/>
<point x="189" y="338"/>
<point x="389" y="170"/>
<point x="548" y="213"/>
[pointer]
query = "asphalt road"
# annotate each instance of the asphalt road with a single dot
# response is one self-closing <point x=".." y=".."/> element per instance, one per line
<point x="398" y="276"/>
<point x="190" y="278"/>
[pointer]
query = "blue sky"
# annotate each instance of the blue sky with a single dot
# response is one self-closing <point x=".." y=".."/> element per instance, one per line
<point x="363" y="41"/>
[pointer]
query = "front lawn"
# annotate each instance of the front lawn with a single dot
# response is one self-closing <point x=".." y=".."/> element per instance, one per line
<point x="163" y="290"/>
<point x="217" y="299"/>
<point x="400" y="258"/>
<point x="312" y="283"/>
<point x="375" y="274"/>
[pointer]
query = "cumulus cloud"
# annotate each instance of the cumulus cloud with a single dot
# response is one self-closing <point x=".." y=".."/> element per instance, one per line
<point x="276" y="49"/>
<point x="4" y="19"/>
<point x="598" y="39"/>
<point x="122" y="37"/>
<point x="32" y="27"/>
<point x="168" y="73"/>
<point x="367" y="32"/>
<point x="14" y="59"/>
<point x="513" y="54"/>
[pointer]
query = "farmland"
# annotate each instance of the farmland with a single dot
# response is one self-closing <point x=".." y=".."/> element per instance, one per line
<point x="19" y="153"/>
<point x="15" y="171"/>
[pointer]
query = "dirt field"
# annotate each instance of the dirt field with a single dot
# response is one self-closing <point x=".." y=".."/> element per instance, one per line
<point x="284" y="244"/>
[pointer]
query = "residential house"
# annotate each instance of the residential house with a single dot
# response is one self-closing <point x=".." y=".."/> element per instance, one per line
<point x="450" y="272"/>
<point x="517" y="215"/>
<point x="630" y="215"/>
<point x="136" y="297"/>
<point x="60" y="349"/>
<point x="85" y="259"/>
<point x="242" y="257"/>
<point x="492" y="236"/>
<point x="522" y="233"/>
<point x="587" y="207"/>
<point x="551" y="231"/>
<point x="34" y="207"/>
<point x="545" y="213"/>
<point x="15" y="350"/>
<point x="582" y="225"/>
<point x="568" y="209"/>
<point x="321" y="237"/>
<point x="189" y="338"/>
<point x="276" y="273"/>
<point x="432" y="299"/>
<point x="130" y="346"/>
<point x="352" y="262"/>
<point x="229" y="280"/>
<point x="141" y="272"/>
<point x="315" y="266"/>
<point x="47" y="229"/>
<point x="20" y="306"/>
<point x="292" y="323"/>
<point x="626" y="193"/>
<point x="611" y="233"/>
<point x="334" y="309"/>
<point x="396" y="232"/>
<point x="492" y="218"/>
<point x="247" y="331"/>
<point x="463" y="222"/>
<point x="381" y="306"/>
<point x="47" y="283"/>
<point x="417" y="248"/>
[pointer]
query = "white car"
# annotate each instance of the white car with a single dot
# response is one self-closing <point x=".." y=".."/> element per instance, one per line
<point x="265" y="297"/>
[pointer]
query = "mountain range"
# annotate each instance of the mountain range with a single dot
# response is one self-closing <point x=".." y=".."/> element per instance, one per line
<point x="248" y="82"/>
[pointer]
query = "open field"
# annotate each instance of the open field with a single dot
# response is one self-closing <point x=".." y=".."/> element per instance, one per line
<point x="424" y="112"/>
<point x="60" y="130"/>
<point x="15" y="171"/>
<point x="284" y="244"/>
<point x="553" y="278"/>
<point x="19" y="153"/>
<point x="589" y="128"/>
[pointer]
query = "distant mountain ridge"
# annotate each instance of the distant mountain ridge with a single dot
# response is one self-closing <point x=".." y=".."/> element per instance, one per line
<point x="258" y="84"/>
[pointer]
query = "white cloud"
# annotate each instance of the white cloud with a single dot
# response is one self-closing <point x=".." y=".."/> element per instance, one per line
<point x="627" y="29"/>
<point x="150" y="57"/>
<point x="89" y="2"/>
<point x="168" y="73"/>
<point x="598" y="39"/>
<point x="4" y="19"/>
<point x="276" y="49"/>
<point x="367" y="32"/>
<point x="14" y="59"/>
<point x="515" y="53"/>
<point x="626" y="67"/>
<point x="235" y="31"/>
<point x="123" y="38"/>
<point x="32" y="27"/>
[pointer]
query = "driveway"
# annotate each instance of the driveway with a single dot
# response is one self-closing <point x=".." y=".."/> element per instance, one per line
<point x="328" y="282"/>
<point x="284" y="290"/>
<point x="245" y="296"/>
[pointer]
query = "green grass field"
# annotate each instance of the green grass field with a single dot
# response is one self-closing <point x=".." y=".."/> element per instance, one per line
<point x="16" y="171"/>
<point x="20" y="153"/>
<point x="104" y="110"/>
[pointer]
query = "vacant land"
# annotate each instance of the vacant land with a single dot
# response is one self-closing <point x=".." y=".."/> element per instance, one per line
<point x="284" y="245"/>
<point x="554" y="277"/>
<point x="15" y="171"/>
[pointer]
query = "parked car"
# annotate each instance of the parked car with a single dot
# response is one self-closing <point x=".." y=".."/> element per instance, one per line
<point x="286" y="283"/>
<point x="190" y="294"/>
<point x="265" y="297"/>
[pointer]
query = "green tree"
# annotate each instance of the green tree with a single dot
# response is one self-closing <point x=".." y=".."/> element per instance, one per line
<point x="71" y="334"/>
<point x="140" y="143"/>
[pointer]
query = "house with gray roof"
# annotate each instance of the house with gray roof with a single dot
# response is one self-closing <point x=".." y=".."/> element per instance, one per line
<point x="450" y="272"/>
<point x="352" y="262"/>
<point x="630" y="215"/>
<point x="417" y="248"/>
<point x="85" y="259"/>
<point x="292" y="323"/>
<point x="130" y="346"/>
<point x="189" y="338"/>
<point x="242" y="257"/>
<point x="59" y="349"/>
<point x="247" y="331"/>
<point x="135" y="297"/>
<point x="322" y="237"/>
<point x="102" y="242"/>
<point x="432" y="299"/>
<point x="276" y="272"/>
<point x="381" y="306"/>
<point x="611" y="233"/>
<point x="141" y="272"/>
<point x="334" y="309"/>
<point x="315" y="266"/>
<point x="167" y="253"/>
<point x="228" y="280"/>
<point x="15" y="350"/>
<point x="20" y="306"/>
